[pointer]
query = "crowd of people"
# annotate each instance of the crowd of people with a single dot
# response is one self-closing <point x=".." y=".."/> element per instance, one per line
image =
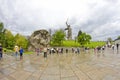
<point x="58" y="50"/>
<point x="100" y="49"/>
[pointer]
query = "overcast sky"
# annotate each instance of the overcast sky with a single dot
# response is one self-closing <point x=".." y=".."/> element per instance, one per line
<point x="99" y="18"/>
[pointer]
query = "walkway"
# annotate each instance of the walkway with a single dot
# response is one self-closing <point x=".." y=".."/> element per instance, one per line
<point x="87" y="66"/>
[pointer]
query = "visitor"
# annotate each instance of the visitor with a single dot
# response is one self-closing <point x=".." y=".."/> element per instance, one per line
<point x="117" y="45"/>
<point x="52" y="50"/>
<point x="113" y="47"/>
<point x="1" y="51"/>
<point x="95" y="50"/>
<point x="78" y="50"/>
<point x="37" y="51"/>
<point x="57" y="50"/>
<point x="66" y="50"/>
<point x="40" y="51"/>
<point x="72" y="50"/>
<point x="98" y="49"/>
<point x="103" y="48"/>
<point x="45" y="52"/>
<point x="16" y="49"/>
<point x="75" y="50"/>
<point x="21" y="53"/>
<point x="62" y="50"/>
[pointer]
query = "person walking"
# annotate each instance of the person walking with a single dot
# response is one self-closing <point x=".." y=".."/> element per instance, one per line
<point x="73" y="50"/>
<point x="1" y="51"/>
<point x="78" y="50"/>
<point x="66" y="50"/>
<point x="117" y="45"/>
<point x="21" y="53"/>
<point x="16" y="49"/>
<point x="62" y="50"/>
<point x="113" y="47"/>
<point x="37" y="51"/>
<point x="45" y="52"/>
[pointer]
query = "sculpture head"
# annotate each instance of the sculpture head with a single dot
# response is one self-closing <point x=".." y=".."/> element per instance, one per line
<point x="39" y="39"/>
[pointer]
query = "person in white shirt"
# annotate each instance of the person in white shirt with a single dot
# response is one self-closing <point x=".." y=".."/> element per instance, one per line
<point x="45" y="52"/>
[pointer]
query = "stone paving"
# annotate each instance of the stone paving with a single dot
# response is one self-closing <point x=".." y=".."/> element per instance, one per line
<point x="84" y="66"/>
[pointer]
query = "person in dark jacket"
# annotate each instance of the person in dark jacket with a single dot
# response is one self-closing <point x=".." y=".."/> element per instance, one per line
<point x="117" y="45"/>
<point x="21" y="53"/>
<point x="1" y="52"/>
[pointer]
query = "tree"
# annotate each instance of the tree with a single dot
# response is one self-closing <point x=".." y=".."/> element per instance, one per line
<point x="16" y="37"/>
<point x="58" y="37"/>
<point x="2" y="34"/>
<point x="118" y="37"/>
<point x="9" y="39"/>
<point x="75" y="39"/>
<point x="1" y="27"/>
<point x="109" y="39"/>
<point x="84" y="39"/>
<point x="79" y="33"/>
<point x="21" y="41"/>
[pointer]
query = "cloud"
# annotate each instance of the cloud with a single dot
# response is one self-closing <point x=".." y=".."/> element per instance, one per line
<point x="99" y="18"/>
<point x="103" y="22"/>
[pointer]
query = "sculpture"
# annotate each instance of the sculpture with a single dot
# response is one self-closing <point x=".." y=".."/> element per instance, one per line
<point x="69" y="31"/>
<point x="39" y="39"/>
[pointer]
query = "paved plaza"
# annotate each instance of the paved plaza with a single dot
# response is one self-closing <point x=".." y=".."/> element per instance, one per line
<point x="84" y="66"/>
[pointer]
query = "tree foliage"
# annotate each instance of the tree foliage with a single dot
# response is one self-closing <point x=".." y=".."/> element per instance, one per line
<point x="84" y="39"/>
<point x="110" y="39"/>
<point x="118" y="37"/>
<point x="21" y="41"/>
<point x="1" y="27"/>
<point x="58" y="37"/>
<point x="79" y="33"/>
<point x="9" y="39"/>
<point x="2" y="34"/>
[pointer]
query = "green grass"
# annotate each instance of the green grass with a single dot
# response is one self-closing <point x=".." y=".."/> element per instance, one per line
<point x="95" y="44"/>
<point x="7" y="50"/>
<point x="12" y="51"/>
<point x="72" y="43"/>
<point x="29" y="52"/>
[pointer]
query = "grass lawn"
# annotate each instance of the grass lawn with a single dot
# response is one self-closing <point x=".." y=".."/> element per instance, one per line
<point x="29" y="52"/>
<point x="72" y="43"/>
<point x="8" y="51"/>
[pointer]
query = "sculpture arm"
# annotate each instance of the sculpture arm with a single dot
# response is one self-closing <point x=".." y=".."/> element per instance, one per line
<point x="67" y="23"/>
<point x="66" y="28"/>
